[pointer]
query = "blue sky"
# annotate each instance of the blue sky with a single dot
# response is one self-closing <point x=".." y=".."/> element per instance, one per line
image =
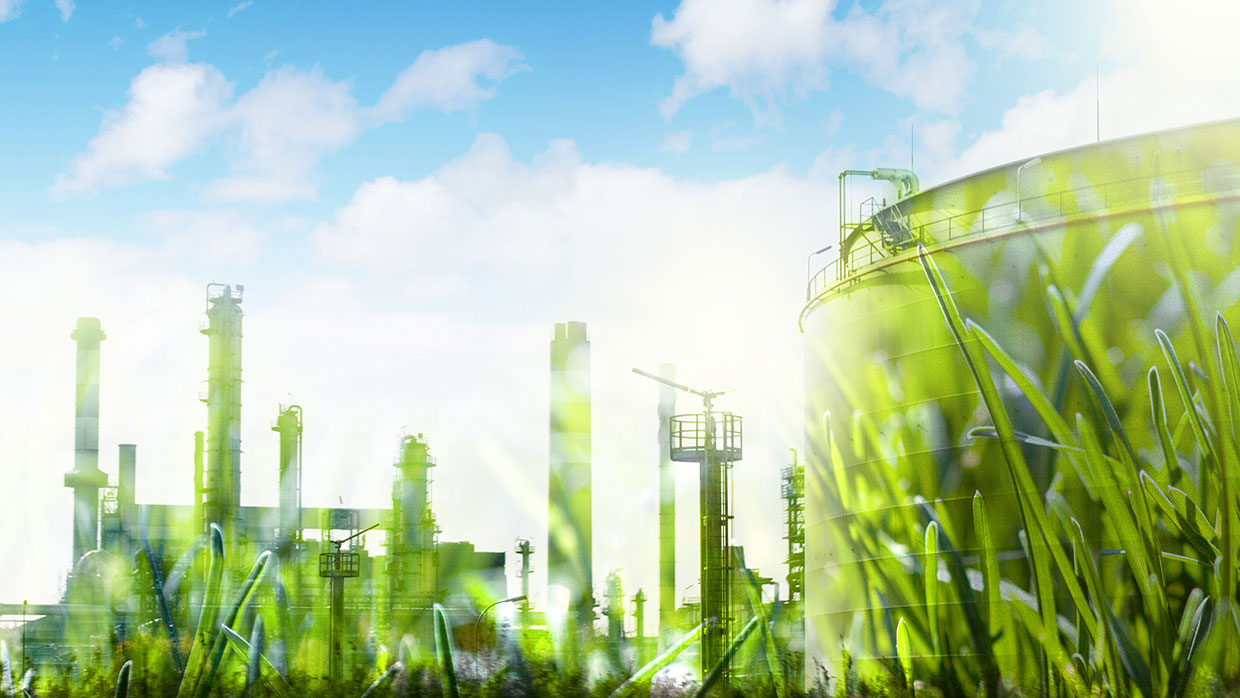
<point x="413" y="193"/>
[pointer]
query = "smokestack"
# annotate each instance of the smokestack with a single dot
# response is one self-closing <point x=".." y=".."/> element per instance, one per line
<point x="86" y="478"/>
<point x="569" y="564"/>
<point x="126" y="502"/>
<point x="289" y="426"/>
<point x="667" y="511"/>
<point x="222" y="496"/>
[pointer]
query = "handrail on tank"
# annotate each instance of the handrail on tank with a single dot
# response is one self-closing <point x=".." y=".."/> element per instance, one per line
<point x="992" y="219"/>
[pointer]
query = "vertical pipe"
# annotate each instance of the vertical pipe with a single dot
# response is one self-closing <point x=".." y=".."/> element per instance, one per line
<point x="86" y="478"/>
<point x="667" y="512"/>
<point x="289" y="426"/>
<point x="569" y="561"/>
<point x="126" y="502"/>
<point x="223" y="448"/>
<point x="336" y="660"/>
<point x="199" y="485"/>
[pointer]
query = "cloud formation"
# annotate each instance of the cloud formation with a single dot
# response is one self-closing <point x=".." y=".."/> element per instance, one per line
<point x="448" y="79"/>
<point x="762" y="50"/>
<point x="274" y="135"/>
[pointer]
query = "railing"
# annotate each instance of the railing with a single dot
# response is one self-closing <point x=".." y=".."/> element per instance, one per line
<point x="1063" y="206"/>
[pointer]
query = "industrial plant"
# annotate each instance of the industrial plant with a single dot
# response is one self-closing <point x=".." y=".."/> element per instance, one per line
<point x="1021" y="406"/>
<point x="333" y="608"/>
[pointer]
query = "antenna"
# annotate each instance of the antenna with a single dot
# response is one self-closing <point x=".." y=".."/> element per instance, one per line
<point x="1097" y="104"/>
<point x="910" y="148"/>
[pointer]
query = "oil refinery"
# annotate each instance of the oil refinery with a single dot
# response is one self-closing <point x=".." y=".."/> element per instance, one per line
<point x="333" y="605"/>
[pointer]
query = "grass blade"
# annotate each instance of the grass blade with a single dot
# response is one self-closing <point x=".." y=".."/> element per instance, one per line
<point x="661" y="661"/>
<point x="271" y="677"/>
<point x="253" y="662"/>
<point x="712" y="677"/>
<point x="206" y="621"/>
<point x="444" y="653"/>
<point x="122" y="680"/>
<point x="383" y="679"/>
<point x="904" y="651"/>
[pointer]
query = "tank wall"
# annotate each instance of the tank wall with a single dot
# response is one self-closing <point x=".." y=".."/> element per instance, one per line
<point x="901" y="401"/>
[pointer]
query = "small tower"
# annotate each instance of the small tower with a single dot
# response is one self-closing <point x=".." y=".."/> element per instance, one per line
<point x="86" y="478"/>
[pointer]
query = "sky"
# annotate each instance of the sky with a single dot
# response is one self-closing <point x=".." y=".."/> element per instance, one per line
<point x="414" y="193"/>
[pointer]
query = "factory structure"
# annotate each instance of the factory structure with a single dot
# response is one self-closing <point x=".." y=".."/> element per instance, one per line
<point x="895" y="423"/>
<point x="341" y="599"/>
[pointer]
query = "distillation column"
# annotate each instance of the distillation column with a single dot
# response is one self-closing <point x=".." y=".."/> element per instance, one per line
<point x="667" y="512"/>
<point x="569" y="564"/>
<point x="222" y="491"/>
<point x="411" y="546"/>
<point x="86" y="478"/>
<point x="288" y="425"/>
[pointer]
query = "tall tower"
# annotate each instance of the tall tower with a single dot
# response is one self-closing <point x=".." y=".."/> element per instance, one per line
<point x="569" y="577"/>
<point x="222" y="491"/>
<point x="288" y="426"/>
<point x="667" y="511"/>
<point x="86" y="478"/>
<point x="411" y="540"/>
<point x="525" y="549"/>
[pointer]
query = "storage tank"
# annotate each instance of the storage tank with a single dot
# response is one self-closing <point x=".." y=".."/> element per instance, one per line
<point x="897" y="433"/>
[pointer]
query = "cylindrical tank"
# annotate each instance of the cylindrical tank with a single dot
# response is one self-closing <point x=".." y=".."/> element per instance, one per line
<point x="890" y="401"/>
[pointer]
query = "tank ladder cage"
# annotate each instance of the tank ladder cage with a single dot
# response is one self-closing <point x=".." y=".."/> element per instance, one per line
<point x="339" y="564"/>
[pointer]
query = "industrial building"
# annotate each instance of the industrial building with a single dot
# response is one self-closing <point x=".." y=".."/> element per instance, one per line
<point x="341" y="599"/>
<point x="1078" y="248"/>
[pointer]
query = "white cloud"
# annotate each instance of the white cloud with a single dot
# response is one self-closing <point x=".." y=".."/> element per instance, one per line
<point x="115" y="42"/>
<point x="173" y="47"/>
<point x="733" y="43"/>
<point x="172" y="110"/>
<point x="66" y="8"/>
<point x="1159" y="78"/>
<point x="239" y="7"/>
<point x="283" y="126"/>
<point x="677" y="142"/>
<point x="449" y="79"/>
<point x="761" y="50"/>
<point x="10" y="9"/>
<point x="139" y="24"/>
<point x="276" y="133"/>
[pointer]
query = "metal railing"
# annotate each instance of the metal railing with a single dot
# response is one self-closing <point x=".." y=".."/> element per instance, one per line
<point x="1065" y="206"/>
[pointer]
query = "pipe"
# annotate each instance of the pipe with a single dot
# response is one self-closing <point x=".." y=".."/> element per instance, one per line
<point x="86" y="478"/>
<point x="569" y="559"/>
<point x="667" y="511"/>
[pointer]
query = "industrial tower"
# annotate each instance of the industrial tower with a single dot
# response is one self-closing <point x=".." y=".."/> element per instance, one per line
<point x="86" y="478"/>
<point x="288" y="425"/>
<point x="793" y="491"/>
<point x="713" y="440"/>
<point x="569" y="565"/>
<point x="222" y="489"/>
<point x="667" y="512"/>
<point x="411" y="539"/>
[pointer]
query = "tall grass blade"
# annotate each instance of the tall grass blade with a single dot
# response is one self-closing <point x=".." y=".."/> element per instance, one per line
<point x="904" y="652"/>
<point x="754" y="592"/>
<point x="165" y="612"/>
<point x="712" y="676"/>
<point x="654" y="665"/>
<point x="241" y="600"/>
<point x="196" y="663"/>
<point x="254" y="662"/>
<point x="1042" y="541"/>
<point x="1231" y="467"/>
<point x="272" y="678"/>
<point x="930" y="581"/>
<point x="383" y="679"/>
<point x="444" y="653"/>
<point x="122" y="680"/>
